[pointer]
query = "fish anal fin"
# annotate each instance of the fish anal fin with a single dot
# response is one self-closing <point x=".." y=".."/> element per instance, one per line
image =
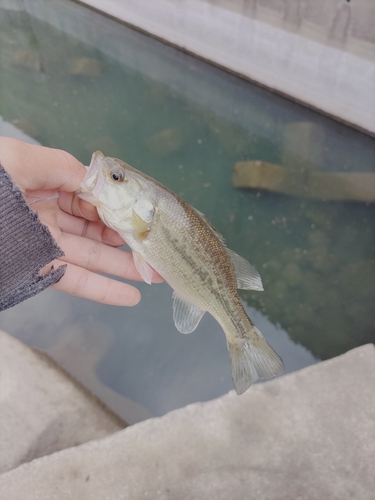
<point x="252" y="358"/>
<point x="144" y="269"/>
<point x="247" y="276"/>
<point x="186" y="315"/>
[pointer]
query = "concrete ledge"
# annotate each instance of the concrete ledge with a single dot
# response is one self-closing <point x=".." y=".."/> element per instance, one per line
<point x="308" y="435"/>
<point x="42" y="409"/>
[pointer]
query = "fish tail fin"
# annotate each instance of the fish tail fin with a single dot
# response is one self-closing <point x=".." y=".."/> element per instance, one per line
<point x="252" y="358"/>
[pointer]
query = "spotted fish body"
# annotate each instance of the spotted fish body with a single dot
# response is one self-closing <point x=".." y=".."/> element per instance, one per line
<point x="170" y="236"/>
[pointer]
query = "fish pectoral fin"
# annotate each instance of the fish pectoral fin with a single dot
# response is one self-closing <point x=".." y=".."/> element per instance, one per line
<point x="186" y="315"/>
<point x="140" y="227"/>
<point x="247" y="276"/>
<point x="144" y="269"/>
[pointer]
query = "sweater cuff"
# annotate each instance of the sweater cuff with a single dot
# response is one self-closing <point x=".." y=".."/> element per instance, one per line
<point x="26" y="246"/>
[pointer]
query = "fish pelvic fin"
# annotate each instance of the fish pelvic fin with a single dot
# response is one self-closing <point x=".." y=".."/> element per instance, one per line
<point x="144" y="269"/>
<point x="252" y="358"/>
<point x="186" y="315"/>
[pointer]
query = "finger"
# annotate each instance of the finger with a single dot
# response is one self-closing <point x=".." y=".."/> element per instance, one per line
<point x="83" y="283"/>
<point x="73" y="205"/>
<point x="37" y="167"/>
<point x="97" y="231"/>
<point x="98" y="257"/>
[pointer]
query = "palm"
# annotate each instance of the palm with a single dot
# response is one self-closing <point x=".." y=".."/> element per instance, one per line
<point x="49" y="183"/>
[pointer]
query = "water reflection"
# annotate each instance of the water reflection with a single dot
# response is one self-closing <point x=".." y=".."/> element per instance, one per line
<point x="138" y="363"/>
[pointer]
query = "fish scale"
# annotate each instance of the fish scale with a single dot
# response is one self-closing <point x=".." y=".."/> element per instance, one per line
<point x="168" y="235"/>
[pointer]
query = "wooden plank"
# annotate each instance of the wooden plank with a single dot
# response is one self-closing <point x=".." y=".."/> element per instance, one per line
<point x="352" y="186"/>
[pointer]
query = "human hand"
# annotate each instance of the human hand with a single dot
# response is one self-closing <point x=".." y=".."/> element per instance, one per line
<point x="89" y="246"/>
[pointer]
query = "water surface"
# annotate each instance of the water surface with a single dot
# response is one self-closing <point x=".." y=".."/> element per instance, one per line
<point x="72" y="79"/>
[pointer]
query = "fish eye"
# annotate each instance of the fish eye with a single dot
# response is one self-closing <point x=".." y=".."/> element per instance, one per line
<point x="117" y="176"/>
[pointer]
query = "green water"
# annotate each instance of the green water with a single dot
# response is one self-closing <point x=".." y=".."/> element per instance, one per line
<point x="72" y="79"/>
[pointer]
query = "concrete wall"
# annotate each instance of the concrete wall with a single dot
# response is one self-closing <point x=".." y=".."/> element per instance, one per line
<point x="319" y="52"/>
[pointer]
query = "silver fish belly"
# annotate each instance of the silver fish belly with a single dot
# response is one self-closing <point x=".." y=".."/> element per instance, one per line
<point x="168" y="235"/>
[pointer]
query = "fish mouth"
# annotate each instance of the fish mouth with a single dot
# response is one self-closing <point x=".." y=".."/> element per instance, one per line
<point x="93" y="182"/>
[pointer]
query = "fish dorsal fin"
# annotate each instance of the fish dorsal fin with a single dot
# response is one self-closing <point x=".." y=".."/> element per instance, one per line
<point x="219" y="236"/>
<point x="247" y="276"/>
<point x="186" y="316"/>
<point x="144" y="269"/>
<point x="199" y="212"/>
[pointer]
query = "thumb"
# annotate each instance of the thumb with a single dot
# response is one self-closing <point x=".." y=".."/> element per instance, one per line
<point x="36" y="167"/>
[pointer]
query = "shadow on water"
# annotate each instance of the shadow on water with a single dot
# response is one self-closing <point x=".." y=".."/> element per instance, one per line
<point x="75" y="80"/>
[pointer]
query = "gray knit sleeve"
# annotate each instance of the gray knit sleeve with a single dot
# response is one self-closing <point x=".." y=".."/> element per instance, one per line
<point x="26" y="245"/>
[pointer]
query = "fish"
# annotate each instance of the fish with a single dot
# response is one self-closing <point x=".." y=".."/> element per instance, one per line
<point x="170" y="236"/>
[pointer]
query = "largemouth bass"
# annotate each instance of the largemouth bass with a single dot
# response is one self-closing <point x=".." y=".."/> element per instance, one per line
<point x="167" y="234"/>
